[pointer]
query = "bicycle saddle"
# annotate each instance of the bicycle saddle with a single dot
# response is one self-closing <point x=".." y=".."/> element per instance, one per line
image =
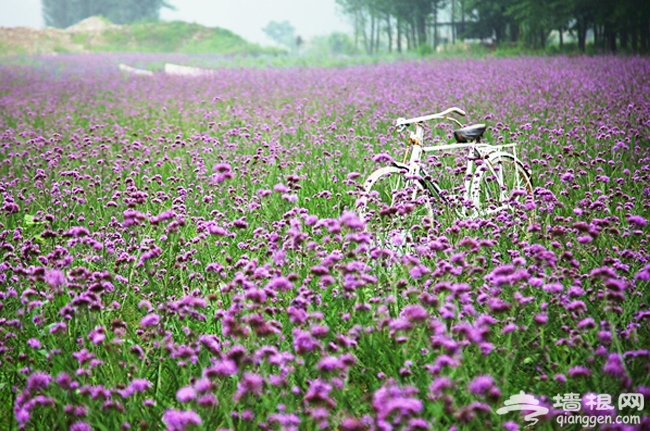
<point x="469" y="133"/>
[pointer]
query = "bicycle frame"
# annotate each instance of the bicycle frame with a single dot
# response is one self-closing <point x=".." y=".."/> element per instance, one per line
<point x="476" y="150"/>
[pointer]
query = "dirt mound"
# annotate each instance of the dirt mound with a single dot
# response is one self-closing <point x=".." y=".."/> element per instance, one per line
<point x="91" y="24"/>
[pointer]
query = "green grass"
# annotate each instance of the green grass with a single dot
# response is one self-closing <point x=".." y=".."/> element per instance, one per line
<point x="175" y="36"/>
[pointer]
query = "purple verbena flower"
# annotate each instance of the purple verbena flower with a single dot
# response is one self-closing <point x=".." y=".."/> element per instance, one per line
<point x="186" y="394"/>
<point x="250" y="383"/>
<point x="37" y="381"/>
<point x="80" y="426"/>
<point x="55" y="278"/>
<point x="481" y="385"/>
<point x="179" y="420"/>
<point x="149" y="320"/>
<point x="637" y="220"/>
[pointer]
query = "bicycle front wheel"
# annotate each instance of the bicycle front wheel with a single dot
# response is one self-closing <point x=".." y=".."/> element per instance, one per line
<point x="394" y="207"/>
<point x="502" y="189"/>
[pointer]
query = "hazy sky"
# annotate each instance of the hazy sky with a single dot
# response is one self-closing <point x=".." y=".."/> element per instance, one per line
<point x="244" y="17"/>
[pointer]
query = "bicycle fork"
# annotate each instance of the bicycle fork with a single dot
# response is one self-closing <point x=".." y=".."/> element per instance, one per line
<point x="415" y="147"/>
<point x="415" y="171"/>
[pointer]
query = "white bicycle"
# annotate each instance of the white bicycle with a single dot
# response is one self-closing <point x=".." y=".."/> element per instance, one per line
<point x="403" y="197"/>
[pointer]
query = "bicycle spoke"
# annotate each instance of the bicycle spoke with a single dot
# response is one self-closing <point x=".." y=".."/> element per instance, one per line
<point x="500" y="191"/>
<point x="393" y="207"/>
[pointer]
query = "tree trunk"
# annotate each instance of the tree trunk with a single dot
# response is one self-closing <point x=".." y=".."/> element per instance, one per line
<point x="398" y="24"/>
<point x="372" y="34"/>
<point x="453" y="21"/>
<point x="357" y="31"/>
<point x="582" y="35"/>
<point x="389" y="33"/>
<point x="413" y="40"/>
<point x="644" y="33"/>
<point x="462" y="16"/>
<point x="610" y="39"/>
<point x="435" y="27"/>
<point x="364" y="34"/>
<point x="356" y="35"/>
<point x="514" y="31"/>
<point x="407" y="34"/>
<point x="499" y="29"/>
<point x="561" y="30"/>
<point x="422" y="29"/>
<point x="377" y="33"/>
<point x="624" y="35"/>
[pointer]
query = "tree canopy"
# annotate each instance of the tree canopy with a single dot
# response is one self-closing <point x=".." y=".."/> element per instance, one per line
<point x="64" y="13"/>
<point x="282" y="33"/>
<point x="391" y="23"/>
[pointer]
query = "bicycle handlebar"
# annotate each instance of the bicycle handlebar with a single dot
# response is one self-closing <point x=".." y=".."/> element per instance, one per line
<point x="403" y="122"/>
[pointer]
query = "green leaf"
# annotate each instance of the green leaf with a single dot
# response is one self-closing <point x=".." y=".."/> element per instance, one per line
<point x="28" y="219"/>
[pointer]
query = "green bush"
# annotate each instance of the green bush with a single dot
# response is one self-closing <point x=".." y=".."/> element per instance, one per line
<point x="425" y="49"/>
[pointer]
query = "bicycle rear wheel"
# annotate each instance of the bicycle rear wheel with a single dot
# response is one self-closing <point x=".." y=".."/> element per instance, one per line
<point x="502" y="189"/>
<point x="394" y="207"/>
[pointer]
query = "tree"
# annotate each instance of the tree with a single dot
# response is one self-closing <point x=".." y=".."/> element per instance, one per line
<point x="340" y="43"/>
<point x="336" y="43"/>
<point x="620" y="23"/>
<point x="282" y="33"/>
<point x="64" y="13"/>
<point x="397" y="19"/>
<point x="491" y="19"/>
<point x="357" y="11"/>
<point x="126" y="11"/>
<point x="535" y="18"/>
<point x="560" y="11"/>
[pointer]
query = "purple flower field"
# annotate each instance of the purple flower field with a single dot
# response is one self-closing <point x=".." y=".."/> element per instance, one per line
<point x="182" y="253"/>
